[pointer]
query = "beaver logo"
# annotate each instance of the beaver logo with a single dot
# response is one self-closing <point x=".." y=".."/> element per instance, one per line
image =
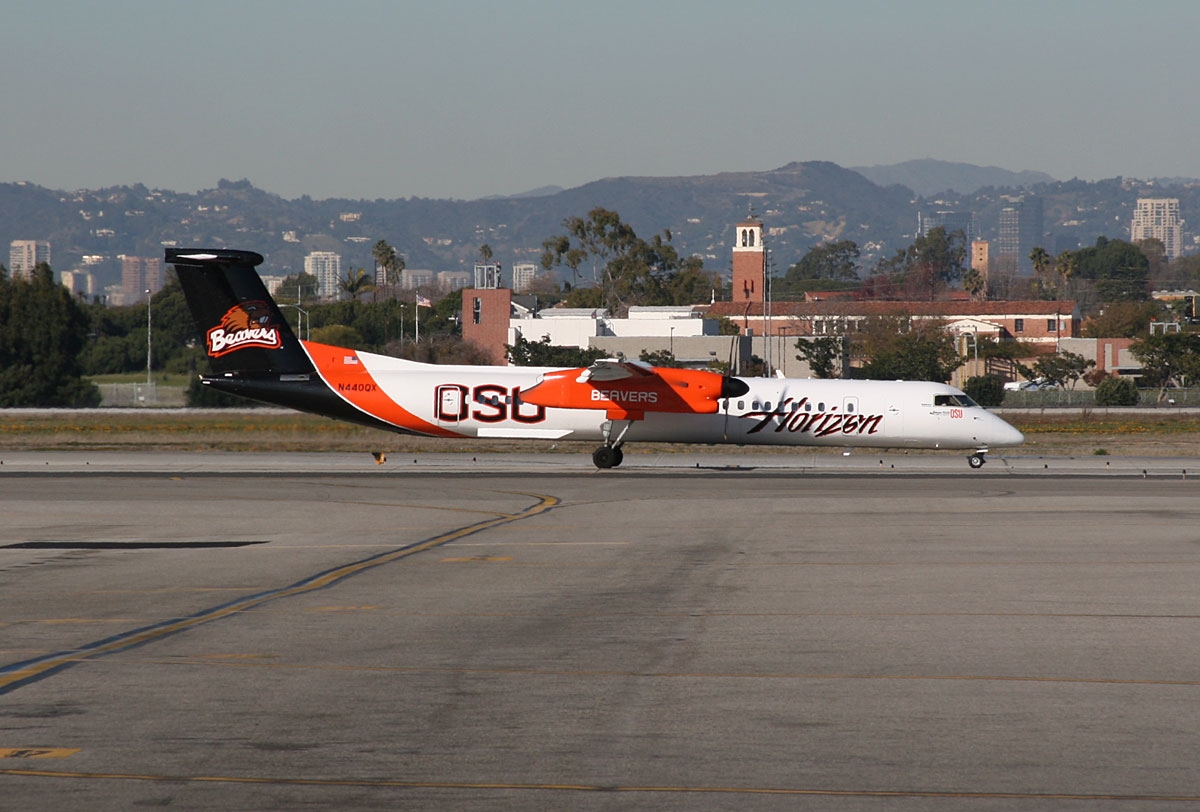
<point x="247" y="324"/>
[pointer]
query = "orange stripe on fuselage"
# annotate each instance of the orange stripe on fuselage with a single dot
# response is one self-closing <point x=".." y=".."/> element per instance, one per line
<point x="681" y="391"/>
<point x="344" y="373"/>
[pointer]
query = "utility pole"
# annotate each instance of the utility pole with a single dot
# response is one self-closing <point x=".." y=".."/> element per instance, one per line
<point x="148" y="344"/>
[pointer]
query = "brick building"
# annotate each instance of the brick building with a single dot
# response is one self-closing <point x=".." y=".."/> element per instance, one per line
<point x="1037" y="322"/>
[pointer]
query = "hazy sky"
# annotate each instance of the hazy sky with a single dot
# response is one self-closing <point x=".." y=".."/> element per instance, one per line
<point x="372" y="99"/>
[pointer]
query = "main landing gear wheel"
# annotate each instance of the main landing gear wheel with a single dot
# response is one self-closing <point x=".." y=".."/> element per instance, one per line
<point x="976" y="460"/>
<point x="607" y="456"/>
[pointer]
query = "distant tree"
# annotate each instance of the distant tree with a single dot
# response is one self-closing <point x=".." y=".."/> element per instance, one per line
<point x="356" y="282"/>
<point x="1168" y="359"/>
<point x="726" y="327"/>
<point x="626" y="269"/>
<point x="933" y="261"/>
<point x="485" y="253"/>
<point x="906" y="349"/>
<point x="1120" y="271"/>
<point x="986" y="390"/>
<point x="1155" y="253"/>
<point x="525" y="353"/>
<point x="1094" y="376"/>
<point x="338" y="335"/>
<point x="1063" y="368"/>
<point x="659" y="358"/>
<point x="388" y="264"/>
<point x="975" y="284"/>
<point x="831" y="260"/>
<point x="1115" y="391"/>
<point x="441" y="348"/>
<point x="42" y="335"/>
<point x="1045" y="285"/>
<point x="297" y="287"/>
<point x="1122" y="320"/>
<point x="823" y="354"/>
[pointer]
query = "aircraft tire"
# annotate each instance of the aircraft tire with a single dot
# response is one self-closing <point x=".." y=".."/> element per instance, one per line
<point x="976" y="460"/>
<point x="607" y="457"/>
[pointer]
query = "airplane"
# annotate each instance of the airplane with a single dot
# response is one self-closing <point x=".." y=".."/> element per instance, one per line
<point x="254" y="353"/>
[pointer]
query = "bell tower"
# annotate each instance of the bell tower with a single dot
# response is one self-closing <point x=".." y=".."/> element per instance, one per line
<point x="749" y="262"/>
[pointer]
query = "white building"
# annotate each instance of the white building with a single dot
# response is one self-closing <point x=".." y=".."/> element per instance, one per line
<point x="326" y="266"/>
<point x="411" y="278"/>
<point x="25" y="255"/>
<point x="80" y="283"/>
<point x="1158" y="218"/>
<point x="523" y="275"/>
<point x="275" y="284"/>
<point x="576" y="327"/>
<point x="453" y="280"/>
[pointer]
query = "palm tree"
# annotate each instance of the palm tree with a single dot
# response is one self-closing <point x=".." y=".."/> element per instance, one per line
<point x="1040" y="258"/>
<point x="975" y="284"/>
<point x="356" y="282"/>
<point x="387" y="261"/>
<point x="1066" y="265"/>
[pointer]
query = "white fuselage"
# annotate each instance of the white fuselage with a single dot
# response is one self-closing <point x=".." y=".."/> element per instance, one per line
<point x="475" y="401"/>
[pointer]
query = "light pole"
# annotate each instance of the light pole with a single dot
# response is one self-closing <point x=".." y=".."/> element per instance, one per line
<point x="148" y="379"/>
<point x="672" y="345"/>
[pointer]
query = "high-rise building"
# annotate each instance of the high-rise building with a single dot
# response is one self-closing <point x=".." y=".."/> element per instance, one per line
<point x="80" y="283"/>
<point x="25" y="255"/>
<point x="326" y="266"/>
<point x="453" y="280"/>
<point x="523" y="275"/>
<point x="1020" y="232"/>
<point x="1158" y="218"/>
<point x="951" y="221"/>
<point x="139" y="274"/>
<point x="412" y="278"/>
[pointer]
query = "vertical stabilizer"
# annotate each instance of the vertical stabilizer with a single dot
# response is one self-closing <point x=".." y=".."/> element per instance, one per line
<point x="242" y="327"/>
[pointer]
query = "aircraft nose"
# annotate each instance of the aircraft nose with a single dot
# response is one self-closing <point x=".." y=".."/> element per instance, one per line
<point x="1006" y="434"/>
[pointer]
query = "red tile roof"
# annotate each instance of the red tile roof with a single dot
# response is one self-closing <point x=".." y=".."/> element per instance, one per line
<point x="938" y="309"/>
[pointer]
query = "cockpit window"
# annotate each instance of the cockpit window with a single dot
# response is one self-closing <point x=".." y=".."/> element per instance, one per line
<point x="953" y="400"/>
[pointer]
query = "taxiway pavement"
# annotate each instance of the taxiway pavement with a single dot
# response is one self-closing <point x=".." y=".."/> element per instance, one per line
<point x="238" y="631"/>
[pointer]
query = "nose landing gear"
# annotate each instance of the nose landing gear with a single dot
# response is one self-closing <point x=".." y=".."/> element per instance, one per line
<point x="977" y="459"/>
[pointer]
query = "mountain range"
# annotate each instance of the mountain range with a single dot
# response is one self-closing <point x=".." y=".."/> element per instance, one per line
<point x="800" y="204"/>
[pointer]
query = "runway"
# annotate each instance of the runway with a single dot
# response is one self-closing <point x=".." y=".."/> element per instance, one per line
<point x="510" y="632"/>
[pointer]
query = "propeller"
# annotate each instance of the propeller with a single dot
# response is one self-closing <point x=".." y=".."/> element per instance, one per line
<point x="731" y="387"/>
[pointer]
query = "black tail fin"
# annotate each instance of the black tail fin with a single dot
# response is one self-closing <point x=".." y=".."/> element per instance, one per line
<point x="253" y="351"/>
<point x="243" y="330"/>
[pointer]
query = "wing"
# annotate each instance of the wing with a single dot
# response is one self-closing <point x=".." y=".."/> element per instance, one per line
<point x="626" y="390"/>
<point x="615" y="369"/>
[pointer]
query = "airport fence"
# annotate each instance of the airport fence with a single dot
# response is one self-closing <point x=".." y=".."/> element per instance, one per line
<point x="1055" y="398"/>
<point x="119" y="395"/>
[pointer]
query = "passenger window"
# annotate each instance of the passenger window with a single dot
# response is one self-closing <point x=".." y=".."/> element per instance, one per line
<point x="767" y="406"/>
<point x="741" y="404"/>
<point x="820" y="407"/>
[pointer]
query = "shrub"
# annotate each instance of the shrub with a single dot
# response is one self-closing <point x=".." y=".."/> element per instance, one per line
<point x="1116" y="391"/>
<point x="986" y="390"/>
